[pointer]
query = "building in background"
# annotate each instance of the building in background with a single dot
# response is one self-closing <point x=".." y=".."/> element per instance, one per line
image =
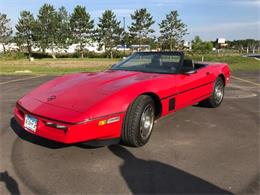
<point x="187" y="45"/>
<point x="8" y="47"/>
<point x="221" y="43"/>
<point x="140" y="47"/>
<point x="71" y="49"/>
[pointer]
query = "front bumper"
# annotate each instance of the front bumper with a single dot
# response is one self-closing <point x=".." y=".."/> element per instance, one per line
<point x="75" y="133"/>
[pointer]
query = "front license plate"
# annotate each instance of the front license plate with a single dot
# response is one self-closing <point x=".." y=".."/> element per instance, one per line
<point x="30" y="123"/>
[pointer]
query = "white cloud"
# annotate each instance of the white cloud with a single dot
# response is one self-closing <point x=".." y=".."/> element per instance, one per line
<point x="231" y="26"/>
<point x="231" y="30"/>
<point x="248" y="2"/>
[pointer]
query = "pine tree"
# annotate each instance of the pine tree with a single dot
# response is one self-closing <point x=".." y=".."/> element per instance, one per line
<point x="5" y="30"/>
<point x="63" y="29"/>
<point x="109" y="31"/>
<point x="46" y="28"/>
<point x="25" y="27"/>
<point x="172" y="30"/>
<point x="81" y="28"/>
<point x="140" y="28"/>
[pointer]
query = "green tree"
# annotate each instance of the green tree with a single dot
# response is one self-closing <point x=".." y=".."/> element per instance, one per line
<point x="19" y="43"/>
<point x="172" y="30"/>
<point x="46" y="28"/>
<point x="5" y="30"/>
<point x="81" y="28"/>
<point x="153" y="43"/>
<point x="199" y="46"/>
<point x="109" y="31"/>
<point x="208" y="46"/>
<point x="126" y="39"/>
<point x="63" y="28"/>
<point x="141" y="26"/>
<point x="25" y="28"/>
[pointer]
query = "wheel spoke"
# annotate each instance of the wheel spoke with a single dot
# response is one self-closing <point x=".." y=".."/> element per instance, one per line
<point x="146" y="123"/>
<point x="218" y="92"/>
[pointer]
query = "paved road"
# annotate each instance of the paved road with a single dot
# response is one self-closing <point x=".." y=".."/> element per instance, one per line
<point x="194" y="151"/>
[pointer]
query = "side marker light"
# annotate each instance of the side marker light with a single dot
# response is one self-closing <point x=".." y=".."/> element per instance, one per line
<point x="109" y="121"/>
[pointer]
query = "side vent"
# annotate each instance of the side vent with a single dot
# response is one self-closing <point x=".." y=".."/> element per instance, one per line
<point x="172" y="104"/>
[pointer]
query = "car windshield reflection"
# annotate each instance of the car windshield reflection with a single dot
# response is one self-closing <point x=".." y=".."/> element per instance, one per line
<point x="152" y="62"/>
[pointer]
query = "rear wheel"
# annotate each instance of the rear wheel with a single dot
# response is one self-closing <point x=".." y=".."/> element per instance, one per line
<point x="139" y="122"/>
<point x="217" y="96"/>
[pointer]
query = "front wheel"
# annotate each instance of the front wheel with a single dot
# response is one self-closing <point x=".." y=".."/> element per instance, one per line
<point x="139" y="122"/>
<point x="217" y="95"/>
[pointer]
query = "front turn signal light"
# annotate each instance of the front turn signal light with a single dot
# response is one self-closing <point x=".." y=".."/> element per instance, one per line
<point x="102" y="123"/>
<point x="108" y="121"/>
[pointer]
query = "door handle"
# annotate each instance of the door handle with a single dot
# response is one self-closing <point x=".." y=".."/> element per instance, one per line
<point x="207" y="73"/>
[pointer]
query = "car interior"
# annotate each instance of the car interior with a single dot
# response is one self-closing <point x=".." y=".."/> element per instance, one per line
<point x="158" y="63"/>
<point x="161" y="63"/>
<point x="188" y="65"/>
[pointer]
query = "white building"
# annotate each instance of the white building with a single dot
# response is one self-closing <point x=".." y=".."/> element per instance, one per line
<point x="187" y="45"/>
<point x="71" y="49"/>
<point x="8" y="47"/>
<point x="221" y="42"/>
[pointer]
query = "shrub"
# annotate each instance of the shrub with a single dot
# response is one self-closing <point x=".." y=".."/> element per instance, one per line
<point x="13" y="55"/>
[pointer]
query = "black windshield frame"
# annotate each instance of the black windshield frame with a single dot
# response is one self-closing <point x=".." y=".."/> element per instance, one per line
<point x="173" y="53"/>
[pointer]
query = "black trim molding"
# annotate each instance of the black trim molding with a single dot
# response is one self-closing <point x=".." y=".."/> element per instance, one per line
<point x="187" y="90"/>
<point x="171" y="104"/>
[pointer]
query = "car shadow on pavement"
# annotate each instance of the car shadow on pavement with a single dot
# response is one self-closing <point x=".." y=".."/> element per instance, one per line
<point x="10" y="183"/>
<point x="34" y="139"/>
<point x="153" y="177"/>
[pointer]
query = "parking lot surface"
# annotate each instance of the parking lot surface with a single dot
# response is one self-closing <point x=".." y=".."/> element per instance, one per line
<point x="194" y="151"/>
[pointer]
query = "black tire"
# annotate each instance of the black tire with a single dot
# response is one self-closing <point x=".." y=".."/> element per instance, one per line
<point x="215" y="100"/>
<point x="133" y="132"/>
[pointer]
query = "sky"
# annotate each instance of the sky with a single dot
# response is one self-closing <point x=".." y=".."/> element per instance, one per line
<point x="210" y="19"/>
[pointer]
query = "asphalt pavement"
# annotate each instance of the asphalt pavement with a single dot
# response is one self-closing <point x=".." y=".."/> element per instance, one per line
<point x="194" y="151"/>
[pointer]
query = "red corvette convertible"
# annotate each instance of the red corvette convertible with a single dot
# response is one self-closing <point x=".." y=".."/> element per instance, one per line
<point x="120" y="104"/>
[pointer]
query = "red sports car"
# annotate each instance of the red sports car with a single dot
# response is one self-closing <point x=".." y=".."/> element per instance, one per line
<point x="120" y="104"/>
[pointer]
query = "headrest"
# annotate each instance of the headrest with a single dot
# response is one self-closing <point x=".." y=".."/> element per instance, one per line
<point x="156" y="61"/>
<point x="188" y="64"/>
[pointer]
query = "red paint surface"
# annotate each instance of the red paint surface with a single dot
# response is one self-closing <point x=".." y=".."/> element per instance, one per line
<point x="81" y="100"/>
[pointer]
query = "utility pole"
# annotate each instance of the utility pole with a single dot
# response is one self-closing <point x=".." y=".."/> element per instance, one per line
<point x="124" y="34"/>
<point x="124" y="23"/>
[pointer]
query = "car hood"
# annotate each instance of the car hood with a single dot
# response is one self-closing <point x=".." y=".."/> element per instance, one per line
<point x="81" y="91"/>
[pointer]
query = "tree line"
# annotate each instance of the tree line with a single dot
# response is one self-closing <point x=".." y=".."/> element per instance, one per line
<point x="242" y="46"/>
<point x="56" y="28"/>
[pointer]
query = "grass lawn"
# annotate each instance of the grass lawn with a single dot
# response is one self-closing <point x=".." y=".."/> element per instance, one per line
<point x="54" y="66"/>
<point x="236" y="62"/>
<point x="68" y="65"/>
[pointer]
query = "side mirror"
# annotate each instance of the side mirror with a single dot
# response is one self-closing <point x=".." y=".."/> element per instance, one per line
<point x="189" y="72"/>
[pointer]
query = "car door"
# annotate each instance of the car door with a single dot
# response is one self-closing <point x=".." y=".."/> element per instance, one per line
<point x="192" y="88"/>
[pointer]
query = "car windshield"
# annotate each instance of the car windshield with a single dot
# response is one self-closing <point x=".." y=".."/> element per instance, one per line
<point x="152" y="62"/>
